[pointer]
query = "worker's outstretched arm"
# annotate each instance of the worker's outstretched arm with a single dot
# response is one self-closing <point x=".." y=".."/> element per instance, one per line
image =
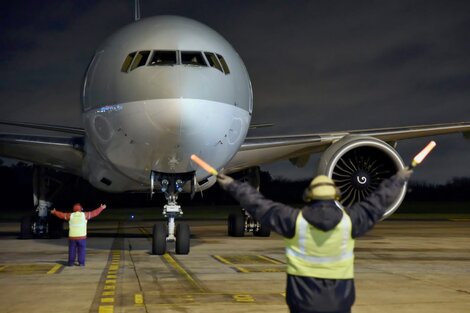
<point x="95" y="212"/>
<point x="277" y="216"/>
<point x="61" y="215"/>
<point x="365" y="214"/>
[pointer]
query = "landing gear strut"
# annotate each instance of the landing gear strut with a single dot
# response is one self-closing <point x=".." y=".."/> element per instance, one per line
<point x="239" y="223"/>
<point x="42" y="224"/>
<point x="171" y="185"/>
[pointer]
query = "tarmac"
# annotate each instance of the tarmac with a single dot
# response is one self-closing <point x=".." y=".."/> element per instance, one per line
<point x="401" y="266"/>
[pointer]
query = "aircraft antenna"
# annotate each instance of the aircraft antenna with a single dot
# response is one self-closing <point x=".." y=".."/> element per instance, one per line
<point x="136" y="10"/>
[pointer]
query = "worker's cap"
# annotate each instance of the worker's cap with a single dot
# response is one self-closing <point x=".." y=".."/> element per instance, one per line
<point x="77" y="207"/>
<point x="321" y="188"/>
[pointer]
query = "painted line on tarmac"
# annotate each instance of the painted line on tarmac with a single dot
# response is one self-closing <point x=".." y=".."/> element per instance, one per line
<point x="173" y="262"/>
<point x="257" y="269"/>
<point x="55" y="269"/>
<point x="105" y="297"/>
<point x="222" y="260"/>
<point x="234" y="260"/>
<point x="274" y="261"/>
<point x="29" y="269"/>
<point x="139" y="299"/>
<point x="108" y="292"/>
<point x="233" y="298"/>
<point x="176" y="265"/>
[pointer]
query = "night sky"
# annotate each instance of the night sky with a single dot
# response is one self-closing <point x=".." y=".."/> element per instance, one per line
<point x="315" y="66"/>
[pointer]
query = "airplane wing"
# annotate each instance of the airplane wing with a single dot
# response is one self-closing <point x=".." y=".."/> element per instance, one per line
<point x="62" y="153"/>
<point x="297" y="148"/>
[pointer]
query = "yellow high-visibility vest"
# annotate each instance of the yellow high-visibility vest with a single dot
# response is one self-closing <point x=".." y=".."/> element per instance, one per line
<point x="77" y="224"/>
<point x="321" y="254"/>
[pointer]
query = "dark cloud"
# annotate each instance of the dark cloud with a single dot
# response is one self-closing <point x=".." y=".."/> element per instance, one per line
<point x="315" y="65"/>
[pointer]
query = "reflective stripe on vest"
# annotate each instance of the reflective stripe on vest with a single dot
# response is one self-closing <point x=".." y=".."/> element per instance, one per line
<point x="77" y="225"/>
<point x="316" y="253"/>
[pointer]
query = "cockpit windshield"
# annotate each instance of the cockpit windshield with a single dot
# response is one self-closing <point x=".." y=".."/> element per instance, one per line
<point x="137" y="59"/>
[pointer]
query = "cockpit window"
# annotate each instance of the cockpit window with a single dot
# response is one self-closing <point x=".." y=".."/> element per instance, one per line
<point x="213" y="61"/>
<point x="192" y="58"/>
<point x="224" y="64"/>
<point x="163" y="58"/>
<point x="140" y="59"/>
<point x="127" y="62"/>
<point x="168" y="57"/>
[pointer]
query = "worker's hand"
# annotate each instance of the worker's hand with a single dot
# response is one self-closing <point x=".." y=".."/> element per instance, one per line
<point x="224" y="180"/>
<point x="53" y="211"/>
<point x="103" y="206"/>
<point x="405" y="173"/>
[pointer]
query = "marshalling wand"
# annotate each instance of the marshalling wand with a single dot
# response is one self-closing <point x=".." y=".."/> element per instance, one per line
<point x="209" y="169"/>
<point x="422" y="154"/>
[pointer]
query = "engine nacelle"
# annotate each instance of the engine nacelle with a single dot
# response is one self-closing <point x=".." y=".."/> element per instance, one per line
<point x="358" y="165"/>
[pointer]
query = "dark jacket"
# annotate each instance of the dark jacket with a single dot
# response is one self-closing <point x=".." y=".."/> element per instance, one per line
<point x="308" y="294"/>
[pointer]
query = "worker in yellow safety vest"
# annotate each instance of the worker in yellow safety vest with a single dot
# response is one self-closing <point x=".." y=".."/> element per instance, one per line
<point x="319" y="238"/>
<point x="78" y="230"/>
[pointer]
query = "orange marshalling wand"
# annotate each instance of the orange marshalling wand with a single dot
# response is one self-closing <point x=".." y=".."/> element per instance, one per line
<point x="209" y="169"/>
<point x="420" y="156"/>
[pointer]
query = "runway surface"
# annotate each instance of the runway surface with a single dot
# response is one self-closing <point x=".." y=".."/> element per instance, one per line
<point x="401" y="266"/>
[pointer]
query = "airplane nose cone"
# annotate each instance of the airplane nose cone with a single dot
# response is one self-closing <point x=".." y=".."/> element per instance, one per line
<point x="162" y="134"/>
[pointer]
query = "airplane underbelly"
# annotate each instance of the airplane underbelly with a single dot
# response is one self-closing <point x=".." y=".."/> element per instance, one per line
<point x="161" y="134"/>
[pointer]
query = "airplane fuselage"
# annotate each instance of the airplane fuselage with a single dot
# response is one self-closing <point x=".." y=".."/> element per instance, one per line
<point x="157" y="91"/>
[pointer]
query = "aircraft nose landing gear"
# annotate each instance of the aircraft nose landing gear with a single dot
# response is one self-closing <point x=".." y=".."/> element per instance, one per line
<point x="171" y="186"/>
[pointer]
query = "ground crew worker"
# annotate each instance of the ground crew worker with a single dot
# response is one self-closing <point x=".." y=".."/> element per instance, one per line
<point x="319" y="238"/>
<point x="78" y="230"/>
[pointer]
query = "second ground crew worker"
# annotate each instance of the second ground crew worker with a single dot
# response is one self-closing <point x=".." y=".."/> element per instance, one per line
<point x="78" y="230"/>
<point x="319" y="238"/>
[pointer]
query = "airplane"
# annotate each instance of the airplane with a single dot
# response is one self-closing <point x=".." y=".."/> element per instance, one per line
<point x="163" y="88"/>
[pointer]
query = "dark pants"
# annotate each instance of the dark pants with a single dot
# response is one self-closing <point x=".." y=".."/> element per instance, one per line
<point x="77" y="246"/>
<point x="319" y="295"/>
<point x="292" y="310"/>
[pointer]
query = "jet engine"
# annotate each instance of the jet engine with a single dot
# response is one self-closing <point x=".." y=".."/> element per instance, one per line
<point x="358" y="165"/>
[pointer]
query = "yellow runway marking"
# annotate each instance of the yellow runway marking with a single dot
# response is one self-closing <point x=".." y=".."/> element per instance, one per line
<point x="109" y="287"/>
<point x="54" y="269"/>
<point x="269" y="259"/>
<point x="138" y="299"/>
<point x="106" y="309"/>
<point x="245" y="298"/>
<point x="221" y="259"/>
<point x="241" y="269"/>
<point x="173" y="263"/>
<point x="246" y="259"/>
<point x="252" y="269"/>
<point x="108" y="293"/>
<point x="107" y="300"/>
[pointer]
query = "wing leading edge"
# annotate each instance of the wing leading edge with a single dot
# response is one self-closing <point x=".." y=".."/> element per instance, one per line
<point x="263" y="150"/>
<point x="65" y="154"/>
